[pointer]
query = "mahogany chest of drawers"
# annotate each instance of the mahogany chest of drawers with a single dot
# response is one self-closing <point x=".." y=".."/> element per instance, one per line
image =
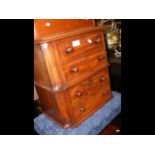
<point x="70" y="69"/>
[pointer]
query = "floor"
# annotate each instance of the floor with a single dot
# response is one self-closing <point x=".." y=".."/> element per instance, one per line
<point x="114" y="128"/>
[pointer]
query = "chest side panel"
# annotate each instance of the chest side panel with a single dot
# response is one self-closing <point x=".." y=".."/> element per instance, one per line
<point x="40" y="70"/>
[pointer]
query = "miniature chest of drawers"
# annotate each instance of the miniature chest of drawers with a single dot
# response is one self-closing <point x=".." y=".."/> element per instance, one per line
<point x="70" y="69"/>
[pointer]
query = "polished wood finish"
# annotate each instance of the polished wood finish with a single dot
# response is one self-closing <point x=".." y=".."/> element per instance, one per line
<point x="40" y="74"/>
<point x="75" y="68"/>
<point x="93" y="40"/>
<point x="85" y="98"/>
<point x="96" y="59"/>
<point x="58" y="36"/>
<point x="44" y="27"/>
<point x="71" y="71"/>
<point x="67" y="51"/>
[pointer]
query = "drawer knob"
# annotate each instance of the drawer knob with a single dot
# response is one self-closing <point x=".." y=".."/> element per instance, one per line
<point x="97" y="40"/>
<point x="79" y="93"/>
<point x="102" y="79"/>
<point x="75" y="69"/>
<point x="82" y="109"/>
<point x="69" y="50"/>
<point x="89" y="41"/>
<point x="90" y="82"/>
<point x="100" y="58"/>
<point x="48" y="24"/>
<point x="104" y="93"/>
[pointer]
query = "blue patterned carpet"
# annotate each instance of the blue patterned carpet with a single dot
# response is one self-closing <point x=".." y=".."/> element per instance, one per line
<point x="92" y="126"/>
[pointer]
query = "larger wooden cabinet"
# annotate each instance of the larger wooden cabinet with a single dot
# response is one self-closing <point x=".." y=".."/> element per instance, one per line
<point x="70" y="69"/>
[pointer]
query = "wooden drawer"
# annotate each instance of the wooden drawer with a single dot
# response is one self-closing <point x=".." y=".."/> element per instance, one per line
<point x="75" y="69"/>
<point x="70" y="47"/>
<point x="97" y="59"/>
<point x="101" y="78"/>
<point x="45" y="27"/>
<point x="93" y="40"/>
<point x="89" y="95"/>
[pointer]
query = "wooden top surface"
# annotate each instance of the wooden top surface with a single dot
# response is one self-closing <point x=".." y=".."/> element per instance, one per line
<point x="58" y="36"/>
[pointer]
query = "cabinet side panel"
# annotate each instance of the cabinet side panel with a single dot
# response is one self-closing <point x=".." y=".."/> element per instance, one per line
<point x="40" y="70"/>
<point x="64" y="109"/>
<point x="49" y="104"/>
<point x="52" y="67"/>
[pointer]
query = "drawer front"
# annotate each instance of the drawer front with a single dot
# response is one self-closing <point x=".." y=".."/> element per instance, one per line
<point x="96" y="59"/>
<point x="93" y="40"/>
<point x="70" y="47"/>
<point x="101" y="78"/>
<point x="89" y="95"/>
<point x="75" y="69"/>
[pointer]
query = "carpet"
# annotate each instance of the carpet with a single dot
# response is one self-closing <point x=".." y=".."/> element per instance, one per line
<point x="91" y="126"/>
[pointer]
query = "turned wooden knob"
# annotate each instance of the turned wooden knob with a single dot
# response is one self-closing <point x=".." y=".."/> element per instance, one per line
<point x="48" y="24"/>
<point x="69" y="50"/>
<point x="104" y="93"/>
<point x="100" y="58"/>
<point x="102" y="79"/>
<point x="90" y="82"/>
<point x="79" y="93"/>
<point x="75" y="69"/>
<point x="82" y="109"/>
<point x="97" y="40"/>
